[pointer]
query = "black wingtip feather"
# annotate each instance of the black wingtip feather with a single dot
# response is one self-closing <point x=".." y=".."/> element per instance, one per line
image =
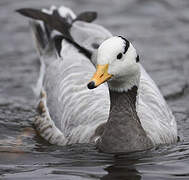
<point x="55" y="22"/>
<point x="58" y="23"/>
<point x="28" y="12"/>
<point x="88" y="16"/>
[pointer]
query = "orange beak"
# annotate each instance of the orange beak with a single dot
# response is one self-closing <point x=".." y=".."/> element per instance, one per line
<point x="101" y="75"/>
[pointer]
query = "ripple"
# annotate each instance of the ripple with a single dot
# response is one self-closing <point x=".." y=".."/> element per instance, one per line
<point x="159" y="30"/>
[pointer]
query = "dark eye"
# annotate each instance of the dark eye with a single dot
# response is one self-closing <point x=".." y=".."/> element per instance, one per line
<point x="119" y="56"/>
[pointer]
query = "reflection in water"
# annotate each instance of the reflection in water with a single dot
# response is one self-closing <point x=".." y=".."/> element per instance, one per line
<point x="122" y="172"/>
<point x="124" y="166"/>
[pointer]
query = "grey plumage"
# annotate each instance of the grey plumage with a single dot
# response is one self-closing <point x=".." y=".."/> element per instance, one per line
<point x="123" y="131"/>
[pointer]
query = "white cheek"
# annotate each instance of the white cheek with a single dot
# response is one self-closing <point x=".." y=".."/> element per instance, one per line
<point x="116" y="68"/>
<point x="122" y="68"/>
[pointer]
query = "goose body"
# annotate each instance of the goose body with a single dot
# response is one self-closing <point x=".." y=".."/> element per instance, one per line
<point x="70" y="113"/>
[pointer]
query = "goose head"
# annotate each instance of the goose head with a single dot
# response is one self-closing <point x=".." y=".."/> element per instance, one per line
<point x="117" y="63"/>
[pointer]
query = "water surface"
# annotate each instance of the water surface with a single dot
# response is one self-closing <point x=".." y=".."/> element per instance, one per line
<point x="159" y="30"/>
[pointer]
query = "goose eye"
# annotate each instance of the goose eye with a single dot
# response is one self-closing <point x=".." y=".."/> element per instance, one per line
<point x="119" y="56"/>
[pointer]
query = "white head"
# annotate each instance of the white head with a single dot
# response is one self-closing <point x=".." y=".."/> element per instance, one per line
<point x="117" y="62"/>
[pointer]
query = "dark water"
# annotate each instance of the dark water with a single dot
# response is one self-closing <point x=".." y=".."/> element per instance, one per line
<point x="159" y="30"/>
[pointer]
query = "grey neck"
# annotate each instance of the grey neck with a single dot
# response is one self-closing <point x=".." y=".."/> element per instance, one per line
<point x="123" y="131"/>
<point x="119" y="99"/>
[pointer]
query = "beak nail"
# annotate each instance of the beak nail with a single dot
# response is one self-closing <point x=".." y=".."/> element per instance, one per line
<point x="91" y="85"/>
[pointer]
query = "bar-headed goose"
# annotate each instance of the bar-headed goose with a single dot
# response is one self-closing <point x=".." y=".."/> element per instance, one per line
<point x="128" y="114"/>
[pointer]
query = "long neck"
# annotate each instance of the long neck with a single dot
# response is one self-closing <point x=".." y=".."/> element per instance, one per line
<point x="123" y="131"/>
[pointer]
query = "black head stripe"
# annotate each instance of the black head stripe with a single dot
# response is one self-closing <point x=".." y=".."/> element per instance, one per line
<point x="127" y="44"/>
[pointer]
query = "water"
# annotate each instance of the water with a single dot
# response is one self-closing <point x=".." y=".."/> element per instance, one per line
<point x="159" y="29"/>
